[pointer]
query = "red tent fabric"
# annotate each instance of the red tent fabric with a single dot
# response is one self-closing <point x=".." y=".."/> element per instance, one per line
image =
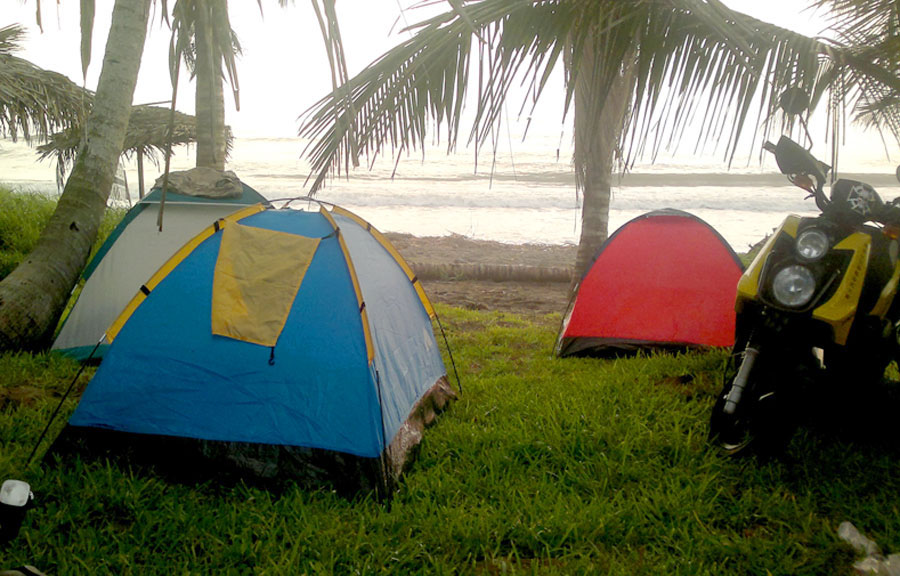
<point x="666" y="279"/>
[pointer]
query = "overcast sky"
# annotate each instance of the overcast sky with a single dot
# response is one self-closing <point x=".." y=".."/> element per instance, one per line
<point x="284" y="69"/>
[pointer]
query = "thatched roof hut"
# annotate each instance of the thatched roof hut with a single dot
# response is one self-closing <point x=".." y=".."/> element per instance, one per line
<point x="146" y="137"/>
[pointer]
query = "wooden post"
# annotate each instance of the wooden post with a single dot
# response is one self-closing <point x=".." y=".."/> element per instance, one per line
<point x="140" y="163"/>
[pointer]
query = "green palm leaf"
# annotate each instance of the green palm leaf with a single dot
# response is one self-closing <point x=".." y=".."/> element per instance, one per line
<point x="689" y="61"/>
<point x="34" y="102"/>
<point x="867" y="33"/>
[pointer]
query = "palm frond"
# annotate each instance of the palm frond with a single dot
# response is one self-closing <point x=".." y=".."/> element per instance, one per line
<point x="11" y="38"/>
<point x="860" y="15"/>
<point x="224" y="40"/>
<point x="425" y="79"/>
<point x="698" y="61"/>
<point x="867" y="33"/>
<point x="227" y="44"/>
<point x="691" y="62"/>
<point x="687" y="56"/>
<point x="181" y="44"/>
<point x="34" y="102"/>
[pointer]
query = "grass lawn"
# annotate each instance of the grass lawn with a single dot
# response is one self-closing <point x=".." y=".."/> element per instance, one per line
<point x="24" y="215"/>
<point x="544" y="466"/>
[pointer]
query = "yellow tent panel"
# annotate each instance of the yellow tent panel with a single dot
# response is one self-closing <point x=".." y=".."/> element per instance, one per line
<point x="258" y="273"/>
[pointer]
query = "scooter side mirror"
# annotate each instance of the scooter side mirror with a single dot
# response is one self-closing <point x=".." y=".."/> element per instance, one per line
<point x="793" y="158"/>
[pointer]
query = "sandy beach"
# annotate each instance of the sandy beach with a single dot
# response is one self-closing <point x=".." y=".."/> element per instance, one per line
<point x="459" y="271"/>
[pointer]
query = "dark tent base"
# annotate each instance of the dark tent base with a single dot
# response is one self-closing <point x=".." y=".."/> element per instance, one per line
<point x="191" y="460"/>
<point x="618" y="347"/>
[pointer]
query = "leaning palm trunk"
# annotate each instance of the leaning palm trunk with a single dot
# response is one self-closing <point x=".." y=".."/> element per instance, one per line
<point x="33" y="296"/>
<point x="598" y="130"/>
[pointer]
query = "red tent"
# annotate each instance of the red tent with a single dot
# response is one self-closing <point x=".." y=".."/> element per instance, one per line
<point x="665" y="280"/>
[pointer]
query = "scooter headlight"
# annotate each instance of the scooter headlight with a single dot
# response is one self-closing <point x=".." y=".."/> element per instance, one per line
<point x="812" y="244"/>
<point x="794" y="286"/>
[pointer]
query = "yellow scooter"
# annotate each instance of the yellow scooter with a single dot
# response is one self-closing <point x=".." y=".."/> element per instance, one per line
<point x="816" y="307"/>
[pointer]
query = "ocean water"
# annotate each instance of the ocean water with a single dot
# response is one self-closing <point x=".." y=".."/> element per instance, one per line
<point x="516" y="194"/>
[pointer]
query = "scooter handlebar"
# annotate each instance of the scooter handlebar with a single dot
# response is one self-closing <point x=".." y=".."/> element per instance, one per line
<point x="889" y="215"/>
<point x="794" y="161"/>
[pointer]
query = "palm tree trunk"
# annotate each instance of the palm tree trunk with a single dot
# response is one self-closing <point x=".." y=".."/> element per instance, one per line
<point x="598" y="130"/>
<point x="33" y="296"/>
<point x="209" y="98"/>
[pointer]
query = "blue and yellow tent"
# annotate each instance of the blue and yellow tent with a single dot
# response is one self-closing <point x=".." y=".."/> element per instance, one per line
<point x="130" y="255"/>
<point x="292" y="343"/>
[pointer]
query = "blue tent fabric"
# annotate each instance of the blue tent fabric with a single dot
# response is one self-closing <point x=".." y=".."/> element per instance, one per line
<point x="166" y="375"/>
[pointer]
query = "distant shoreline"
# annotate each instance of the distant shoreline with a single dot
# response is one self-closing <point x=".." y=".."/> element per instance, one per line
<point x="636" y="180"/>
<point x="631" y="180"/>
<point x="714" y="179"/>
